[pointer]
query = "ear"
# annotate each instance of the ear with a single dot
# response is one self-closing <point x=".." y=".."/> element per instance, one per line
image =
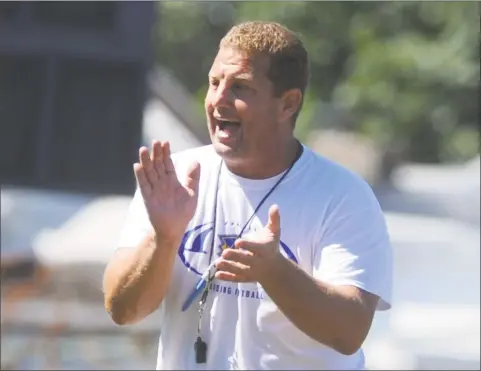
<point x="290" y="103"/>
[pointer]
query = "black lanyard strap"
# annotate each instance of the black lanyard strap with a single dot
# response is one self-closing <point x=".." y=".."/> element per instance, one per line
<point x="200" y="346"/>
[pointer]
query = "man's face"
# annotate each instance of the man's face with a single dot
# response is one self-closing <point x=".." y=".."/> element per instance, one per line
<point x="241" y="109"/>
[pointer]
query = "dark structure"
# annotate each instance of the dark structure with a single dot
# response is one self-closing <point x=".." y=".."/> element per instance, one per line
<point x="72" y="92"/>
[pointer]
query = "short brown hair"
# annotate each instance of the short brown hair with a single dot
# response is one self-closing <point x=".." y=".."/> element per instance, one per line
<point x="288" y="60"/>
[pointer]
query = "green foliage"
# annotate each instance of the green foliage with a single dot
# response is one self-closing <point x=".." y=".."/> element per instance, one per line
<point x="408" y="72"/>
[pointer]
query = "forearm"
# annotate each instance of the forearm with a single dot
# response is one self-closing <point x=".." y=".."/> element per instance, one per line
<point x="135" y="283"/>
<point x="322" y="311"/>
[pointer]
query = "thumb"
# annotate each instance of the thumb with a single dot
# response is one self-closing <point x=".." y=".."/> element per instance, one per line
<point x="193" y="177"/>
<point x="274" y="222"/>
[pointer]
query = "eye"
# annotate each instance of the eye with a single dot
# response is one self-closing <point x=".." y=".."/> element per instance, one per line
<point x="239" y="86"/>
<point x="214" y="83"/>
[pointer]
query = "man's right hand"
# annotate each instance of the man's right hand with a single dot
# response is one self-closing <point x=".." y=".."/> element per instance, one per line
<point x="169" y="203"/>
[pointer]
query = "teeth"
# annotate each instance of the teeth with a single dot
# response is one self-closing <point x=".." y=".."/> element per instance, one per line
<point x="224" y="130"/>
<point x="223" y="134"/>
<point x="227" y="121"/>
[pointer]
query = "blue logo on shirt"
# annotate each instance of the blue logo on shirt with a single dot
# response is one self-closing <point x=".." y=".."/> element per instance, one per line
<point x="198" y="241"/>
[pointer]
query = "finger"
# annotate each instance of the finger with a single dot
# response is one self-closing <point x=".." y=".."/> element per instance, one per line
<point x="168" y="164"/>
<point x="274" y="222"/>
<point x="231" y="267"/>
<point x="157" y="158"/>
<point x="144" y="185"/>
<point x="148" y="167"/>
<point x="241" y="256"/>
<point x="251" y="247"/>
<point x="227" y="276"/>
<point x="193" y="178"/>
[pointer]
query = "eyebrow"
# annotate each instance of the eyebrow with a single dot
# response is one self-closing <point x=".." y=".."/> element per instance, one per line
<point x="243" y="76"/>
<point x="240" y="76"/>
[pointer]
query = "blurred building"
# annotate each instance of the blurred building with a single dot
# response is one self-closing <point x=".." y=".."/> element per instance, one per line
<point x="73" y="90"/>
<point x="79" y="96"/>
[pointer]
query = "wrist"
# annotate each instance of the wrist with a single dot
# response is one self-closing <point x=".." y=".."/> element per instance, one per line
<point x="273" y="273"/>
<point x="165" y="241"/>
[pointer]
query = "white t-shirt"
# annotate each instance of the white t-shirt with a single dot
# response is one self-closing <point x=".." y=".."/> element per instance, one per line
<point x="332" y="226"/>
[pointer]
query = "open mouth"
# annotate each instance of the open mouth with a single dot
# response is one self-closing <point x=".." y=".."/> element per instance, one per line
<point x="227" y="128"/>
<point x="223" y="124"/>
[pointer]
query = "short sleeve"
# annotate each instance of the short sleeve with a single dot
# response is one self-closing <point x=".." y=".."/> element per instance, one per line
<point x="353" y="248"/>
<point x="136" y="225"/>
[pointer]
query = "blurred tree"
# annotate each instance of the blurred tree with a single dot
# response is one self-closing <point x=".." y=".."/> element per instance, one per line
<point x="407" y="71"/>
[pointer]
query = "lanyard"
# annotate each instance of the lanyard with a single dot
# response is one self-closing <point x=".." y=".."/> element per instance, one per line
<point x="200" y="345"/>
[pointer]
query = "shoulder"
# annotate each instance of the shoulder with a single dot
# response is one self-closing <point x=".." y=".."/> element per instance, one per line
<point x="199" y="154"/>
<point x="338" y="179"/>
<point x="204" y="155"/>
<point x="340" y="187"/>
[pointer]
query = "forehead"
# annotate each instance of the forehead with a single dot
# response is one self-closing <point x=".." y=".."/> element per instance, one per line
<point x="231" y="62"/>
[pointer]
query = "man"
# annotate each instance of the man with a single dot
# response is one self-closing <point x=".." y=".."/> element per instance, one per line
<point x="299" y="244"/>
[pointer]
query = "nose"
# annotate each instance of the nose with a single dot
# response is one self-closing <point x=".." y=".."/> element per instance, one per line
<point x="222" y="96"/>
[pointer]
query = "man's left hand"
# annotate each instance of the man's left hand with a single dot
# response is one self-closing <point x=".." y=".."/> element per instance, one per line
<point x="254" y="256"/>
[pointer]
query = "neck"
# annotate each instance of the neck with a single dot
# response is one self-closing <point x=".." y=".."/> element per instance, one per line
<point x="265" y="166"/>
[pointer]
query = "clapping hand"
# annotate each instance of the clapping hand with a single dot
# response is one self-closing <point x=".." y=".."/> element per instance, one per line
<point x="170" y="204"/>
